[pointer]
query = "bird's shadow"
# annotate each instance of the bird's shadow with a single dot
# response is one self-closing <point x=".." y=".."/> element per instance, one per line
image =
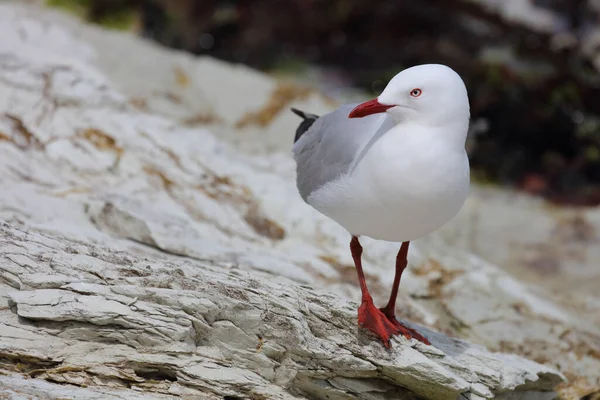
<point x="440" y="342"/>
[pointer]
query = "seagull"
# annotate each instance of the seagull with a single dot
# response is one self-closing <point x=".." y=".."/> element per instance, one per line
<point x="393" y="168"/>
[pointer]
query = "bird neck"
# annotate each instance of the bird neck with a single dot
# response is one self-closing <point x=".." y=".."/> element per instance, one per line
<point x="450" y="134"/>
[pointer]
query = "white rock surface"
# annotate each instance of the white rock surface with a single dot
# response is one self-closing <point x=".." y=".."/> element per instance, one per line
<point x="138" y="251"/>
<point x="86" y="315"/>
<point x="557" y="247"/>
<point x="180" y="86"/>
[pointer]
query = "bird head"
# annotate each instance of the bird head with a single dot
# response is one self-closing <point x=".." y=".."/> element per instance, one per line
<point x="429" y="94"/>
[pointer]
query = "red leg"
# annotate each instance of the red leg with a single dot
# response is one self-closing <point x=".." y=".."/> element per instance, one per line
<point x="401" y="263"/>
<point x="368" y="315"/>
<point x="390" y="309"/>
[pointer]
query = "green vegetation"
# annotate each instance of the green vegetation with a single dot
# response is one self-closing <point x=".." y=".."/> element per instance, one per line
<point x="119" y="19"/>
<point x="77" y="7"/>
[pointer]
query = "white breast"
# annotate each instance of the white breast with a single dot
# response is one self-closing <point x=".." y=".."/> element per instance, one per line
<point x="407" y="185"/>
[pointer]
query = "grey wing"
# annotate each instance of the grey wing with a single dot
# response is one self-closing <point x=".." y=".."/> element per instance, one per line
<point x="329" y="147"/>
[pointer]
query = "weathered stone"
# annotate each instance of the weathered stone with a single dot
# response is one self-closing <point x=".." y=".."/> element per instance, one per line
<point x="190" y="324"/>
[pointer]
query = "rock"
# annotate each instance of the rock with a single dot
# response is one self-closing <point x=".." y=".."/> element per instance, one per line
<point x="14" y="387"/>
<point x="555" y="247"/>
<point x="138" y="251"/>
<point x="191" y="90"/>
<point x="182" y="326"/>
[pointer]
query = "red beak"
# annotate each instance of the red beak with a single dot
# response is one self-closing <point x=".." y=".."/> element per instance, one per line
<point x="368" y="108"/>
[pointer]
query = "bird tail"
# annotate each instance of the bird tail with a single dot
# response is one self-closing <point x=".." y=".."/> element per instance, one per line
<point x="307" y="120"/>
<point x="303" y="115"/>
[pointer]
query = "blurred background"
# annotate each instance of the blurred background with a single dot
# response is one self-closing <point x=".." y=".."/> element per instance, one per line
<point x="531" y="66"/>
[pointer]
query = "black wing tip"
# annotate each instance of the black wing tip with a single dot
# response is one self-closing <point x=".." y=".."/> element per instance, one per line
<point x="307" y="120"/>
<point x="299" y="113"/>
<point x="303" y="115"/>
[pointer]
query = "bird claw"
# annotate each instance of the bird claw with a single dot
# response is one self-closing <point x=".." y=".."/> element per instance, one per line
<point x="371" y="318"/>
<point x="407" y="332"/>
<point x="383" y="326"/>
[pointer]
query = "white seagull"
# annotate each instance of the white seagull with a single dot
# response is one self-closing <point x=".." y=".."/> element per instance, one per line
<point x="393" y="168"/>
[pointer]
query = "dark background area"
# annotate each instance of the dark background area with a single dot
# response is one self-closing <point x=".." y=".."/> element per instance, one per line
<point x="534" y="89"/>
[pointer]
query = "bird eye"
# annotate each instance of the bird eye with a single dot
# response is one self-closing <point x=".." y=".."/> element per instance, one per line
<point x="416" y="92"/>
